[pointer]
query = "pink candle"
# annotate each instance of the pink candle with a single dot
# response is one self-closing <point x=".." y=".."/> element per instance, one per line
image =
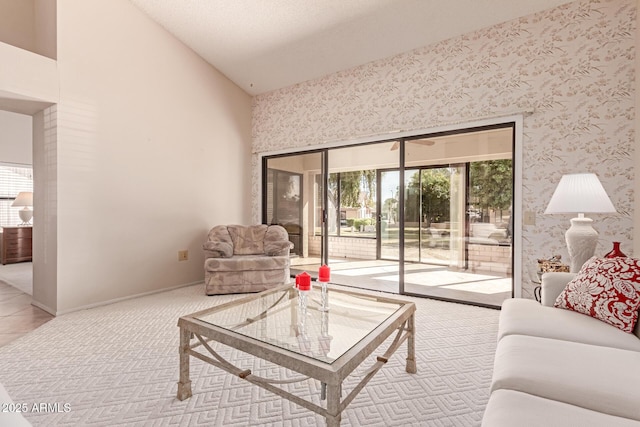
<point x="324" y="273"/>
<point x="304" y="281"/>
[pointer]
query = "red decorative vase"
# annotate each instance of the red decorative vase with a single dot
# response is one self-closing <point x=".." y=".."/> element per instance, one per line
<point x="615" y="252"/>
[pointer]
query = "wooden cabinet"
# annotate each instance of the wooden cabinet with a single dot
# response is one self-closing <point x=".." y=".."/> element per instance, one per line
<point x="16" y="244"/>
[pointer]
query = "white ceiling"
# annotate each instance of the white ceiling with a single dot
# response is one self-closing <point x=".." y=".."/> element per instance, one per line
<point x="264" y="45"/>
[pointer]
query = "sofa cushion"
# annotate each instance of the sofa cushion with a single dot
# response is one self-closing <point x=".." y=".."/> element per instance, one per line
<point x="607" y="289"/>
<point x="527" y="317"/>
<point x="247" y="240"/>
<point x="508" y="408"/>
<point x="246" y="263"/>
<point x="598" y="378"/>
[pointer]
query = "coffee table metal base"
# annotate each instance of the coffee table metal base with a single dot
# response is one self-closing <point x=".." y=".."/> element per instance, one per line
<point x="195" y="336"/>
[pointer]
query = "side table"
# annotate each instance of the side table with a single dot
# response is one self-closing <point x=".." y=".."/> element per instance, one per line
<point x="537" y="291"/>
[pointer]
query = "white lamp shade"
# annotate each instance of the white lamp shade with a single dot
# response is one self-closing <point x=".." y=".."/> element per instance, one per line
<point x="24" y="198"/>
<point x="580" y="193"/>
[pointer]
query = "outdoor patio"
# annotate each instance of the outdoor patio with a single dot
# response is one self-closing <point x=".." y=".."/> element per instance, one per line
<point x="487" y="288"/>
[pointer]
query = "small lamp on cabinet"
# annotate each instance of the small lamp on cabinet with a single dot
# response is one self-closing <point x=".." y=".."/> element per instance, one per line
<point x="24" y="199"/>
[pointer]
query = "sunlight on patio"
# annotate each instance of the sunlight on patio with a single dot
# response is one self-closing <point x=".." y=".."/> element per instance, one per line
<point x="422" y="279"/>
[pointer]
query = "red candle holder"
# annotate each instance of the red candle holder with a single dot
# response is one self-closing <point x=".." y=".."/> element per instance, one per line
<point x="324" y="273"/>
<point x="303" y="281"/>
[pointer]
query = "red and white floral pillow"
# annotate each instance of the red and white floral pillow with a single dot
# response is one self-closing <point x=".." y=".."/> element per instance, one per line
<point x="607" y="289"/>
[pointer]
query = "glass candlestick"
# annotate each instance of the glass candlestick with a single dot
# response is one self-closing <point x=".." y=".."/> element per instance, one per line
<point x="302" y="305"/>
<point x="324" y="297"/>
<point x="324" y="274"/>
<point x="304" y="286"/>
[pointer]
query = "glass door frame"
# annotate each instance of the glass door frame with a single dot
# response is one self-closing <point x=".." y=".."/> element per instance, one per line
<point x="516" y="204"/>
<point x="464" y="230"/>
<point x="324" y="196"/>
<point x="515" y="122"/>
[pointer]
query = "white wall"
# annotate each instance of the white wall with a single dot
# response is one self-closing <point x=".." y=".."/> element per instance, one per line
<point x="561" y="68"/>
<point x="29" y="25"/>
<point x="45" y="39"/>
<point x="45" y="243"/>
<point x="30" y="78"/>
<point x="29" y="86"/>
<point x="17" y="23"/>
<point x="152" y="149"/>
<point x="15" y="138"/>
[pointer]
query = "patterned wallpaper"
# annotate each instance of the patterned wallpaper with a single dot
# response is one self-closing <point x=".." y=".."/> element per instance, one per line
<point x="573" y="66"/>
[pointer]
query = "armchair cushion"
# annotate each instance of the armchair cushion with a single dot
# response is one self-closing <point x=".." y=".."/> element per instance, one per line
<point x="247" y="240"/>
<point x="246" y="263"/>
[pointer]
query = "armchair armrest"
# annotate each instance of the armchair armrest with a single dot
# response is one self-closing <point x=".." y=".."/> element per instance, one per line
<point x="278" y="248"/>
<point x="552" y="286"/>
<point x="217" y="250"/>
<point x="276" y="241"/>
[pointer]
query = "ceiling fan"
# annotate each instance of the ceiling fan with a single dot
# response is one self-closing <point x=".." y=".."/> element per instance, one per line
<point x="427" y="142"/>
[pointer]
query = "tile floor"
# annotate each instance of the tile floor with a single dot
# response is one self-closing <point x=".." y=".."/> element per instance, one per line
<point x="17" y="316"/>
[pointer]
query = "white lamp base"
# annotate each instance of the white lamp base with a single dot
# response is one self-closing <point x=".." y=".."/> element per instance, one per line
<point x="581" y="242"/>
<point x="25" y="215"/>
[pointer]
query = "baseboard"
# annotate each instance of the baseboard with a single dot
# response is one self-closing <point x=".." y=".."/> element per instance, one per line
<point x="43" y="307"/>
<point x="115" y="300"/>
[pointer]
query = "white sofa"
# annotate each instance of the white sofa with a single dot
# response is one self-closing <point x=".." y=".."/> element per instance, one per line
<point x="555" y="367"/>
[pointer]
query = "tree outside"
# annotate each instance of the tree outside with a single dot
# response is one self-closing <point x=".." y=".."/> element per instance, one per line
<point x="491" y="185"/>
<point x="429" y="191"/>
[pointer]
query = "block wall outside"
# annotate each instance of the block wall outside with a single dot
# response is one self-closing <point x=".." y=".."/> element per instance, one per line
<point x="345" y="247"/>
<point x="481" y="258"/>
<point x="489" y="258"/>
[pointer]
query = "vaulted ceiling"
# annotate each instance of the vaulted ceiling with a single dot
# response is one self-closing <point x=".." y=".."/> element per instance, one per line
<point x="263" y="45"/>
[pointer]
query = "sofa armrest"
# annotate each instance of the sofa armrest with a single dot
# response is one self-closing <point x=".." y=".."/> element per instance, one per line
<point x="552" y="286"/>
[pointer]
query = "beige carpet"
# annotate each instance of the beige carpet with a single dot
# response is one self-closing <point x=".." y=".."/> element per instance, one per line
<point x="118" y="366"/>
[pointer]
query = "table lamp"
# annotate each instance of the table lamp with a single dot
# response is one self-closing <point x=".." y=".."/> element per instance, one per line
<point x="580" y="193"/>
<point x="24" y="199"/>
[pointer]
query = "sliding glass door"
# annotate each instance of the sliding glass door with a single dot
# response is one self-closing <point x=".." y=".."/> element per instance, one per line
<point x="293" y="196"/>
<point x="429" y="215"/>
<point x="434" y="226"/>
<point x="457" y="215"/>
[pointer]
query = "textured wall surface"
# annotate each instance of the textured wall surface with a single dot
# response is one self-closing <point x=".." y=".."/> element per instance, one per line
<point x="572" y="66"/>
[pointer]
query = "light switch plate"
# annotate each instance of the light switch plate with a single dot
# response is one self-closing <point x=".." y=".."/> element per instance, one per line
<point x="529" y="218"/>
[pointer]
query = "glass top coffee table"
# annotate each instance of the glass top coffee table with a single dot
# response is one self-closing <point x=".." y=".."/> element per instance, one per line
<point x="323" y="345"/>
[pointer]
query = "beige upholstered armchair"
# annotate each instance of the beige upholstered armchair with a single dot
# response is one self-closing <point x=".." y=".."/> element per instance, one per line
<point x="245" y="258"/>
